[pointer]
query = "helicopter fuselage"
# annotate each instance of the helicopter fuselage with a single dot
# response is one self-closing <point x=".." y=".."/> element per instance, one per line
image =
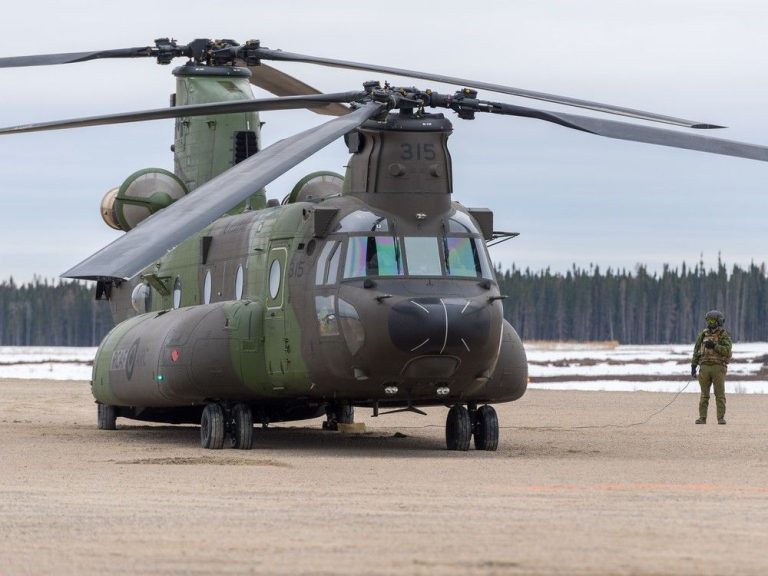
<point x="259" y="309"/>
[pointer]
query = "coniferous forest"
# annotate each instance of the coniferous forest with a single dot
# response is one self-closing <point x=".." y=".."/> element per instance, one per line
<point x="43" y="313"/>
<point x="636" y="307"/>
<point x="631" y="307"/>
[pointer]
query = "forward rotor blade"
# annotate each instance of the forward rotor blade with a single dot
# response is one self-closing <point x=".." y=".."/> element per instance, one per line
<point x="71" y="57"/>
<point x="164" y="230"/>
<point x="260" y="105"/>
<point x="279" y="55"/>
<point x="279" y="83"/>
<point x="637" y="133"/>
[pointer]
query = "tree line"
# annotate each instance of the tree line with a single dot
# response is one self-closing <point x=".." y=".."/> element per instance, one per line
<point x="56" y="313"/>
<point x="631" y="307"/>
<point x="636" y="307"/>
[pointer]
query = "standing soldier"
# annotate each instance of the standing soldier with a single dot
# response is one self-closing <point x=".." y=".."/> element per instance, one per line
<point x="712" y="353"/>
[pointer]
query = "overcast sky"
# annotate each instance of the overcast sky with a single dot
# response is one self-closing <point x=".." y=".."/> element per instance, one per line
<point x="575" y="198"/>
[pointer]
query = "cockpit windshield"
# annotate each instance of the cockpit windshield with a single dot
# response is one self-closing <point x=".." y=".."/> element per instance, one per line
<point x="372" y="256"/>
<point x="458" y="256"/>
<point x="368" y="245"/>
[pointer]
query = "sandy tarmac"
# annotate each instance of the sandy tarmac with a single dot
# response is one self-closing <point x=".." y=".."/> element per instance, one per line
<point x="666" y="497"/>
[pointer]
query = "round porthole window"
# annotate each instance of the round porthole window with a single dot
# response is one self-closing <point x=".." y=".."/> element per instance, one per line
<point x="141" y="298"/>
<point x="274" y="279"/>
<point x="239" y="281"/>
<point x="207" y="288"/>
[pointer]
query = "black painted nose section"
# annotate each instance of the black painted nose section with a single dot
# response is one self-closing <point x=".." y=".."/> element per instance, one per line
<point x="439" y="325"/>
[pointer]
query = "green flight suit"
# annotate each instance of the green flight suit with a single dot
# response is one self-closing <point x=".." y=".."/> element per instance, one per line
<point x="713" y="364"/>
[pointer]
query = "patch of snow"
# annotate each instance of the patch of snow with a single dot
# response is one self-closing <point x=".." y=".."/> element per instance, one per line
<point x="46" y="362"/>
<point x="731" y="386"/>
<point x="47" y="371"/>
<point x="662" y="368"/>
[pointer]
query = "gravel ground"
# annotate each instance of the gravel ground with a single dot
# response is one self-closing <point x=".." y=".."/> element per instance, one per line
<point x="569" y="492"/>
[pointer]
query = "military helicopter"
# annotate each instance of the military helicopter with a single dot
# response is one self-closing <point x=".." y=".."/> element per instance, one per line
<point x="372" y="289"/>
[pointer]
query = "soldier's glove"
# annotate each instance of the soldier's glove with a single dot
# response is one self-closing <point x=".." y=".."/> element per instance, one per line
<point x="709" y="344"/>
<point x="693" y="370"/>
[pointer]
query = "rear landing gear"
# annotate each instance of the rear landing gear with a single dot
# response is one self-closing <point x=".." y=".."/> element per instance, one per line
<point x="234" y="423"/>
<point x="218" y="423"/>
<point x="212" y="427"/>
<point x="240" y="427"/>
<point x="336" y="414"/>
<point x="106" y="417"/>
<point x="462" y="424"/>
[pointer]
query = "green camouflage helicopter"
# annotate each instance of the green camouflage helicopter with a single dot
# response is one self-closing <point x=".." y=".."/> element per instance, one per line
<point x="374" y="289"/>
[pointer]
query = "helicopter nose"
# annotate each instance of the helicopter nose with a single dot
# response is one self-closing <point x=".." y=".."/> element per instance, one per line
<point x="454" y="326"/>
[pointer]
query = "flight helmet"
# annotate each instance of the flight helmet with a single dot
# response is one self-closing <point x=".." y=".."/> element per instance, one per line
<point x="715" y="319"/>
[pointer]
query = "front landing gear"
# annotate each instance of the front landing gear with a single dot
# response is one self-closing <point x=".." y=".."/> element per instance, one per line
<point x="458" y="428"/>
<point x="234" y="423"/>
<point x="462" y="424"/>
<point x="486" y="429"/>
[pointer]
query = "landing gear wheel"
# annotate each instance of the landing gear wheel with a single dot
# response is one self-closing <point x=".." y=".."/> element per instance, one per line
<point x="212" y="427"/>
<point x="106" y="417"/>
<point x="345" y="414"/>
<point x="336" y="414"/>
<point x="486" y="430"/>
<point x="458" y="428"/>
<point x="241" y="427"/>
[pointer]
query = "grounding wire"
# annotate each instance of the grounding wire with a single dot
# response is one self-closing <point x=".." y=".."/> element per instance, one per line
<point x="592" y="427"/>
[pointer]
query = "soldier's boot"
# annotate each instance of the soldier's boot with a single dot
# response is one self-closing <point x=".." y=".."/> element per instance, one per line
<point x="701" y="421"/>
<point x="720" y="398"/>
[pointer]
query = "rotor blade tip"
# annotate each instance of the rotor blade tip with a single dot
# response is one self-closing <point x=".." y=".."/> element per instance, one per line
<point x="706" y="126"/>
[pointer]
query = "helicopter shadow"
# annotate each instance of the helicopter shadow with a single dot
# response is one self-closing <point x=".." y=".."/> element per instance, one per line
<point x="314" y="441"/>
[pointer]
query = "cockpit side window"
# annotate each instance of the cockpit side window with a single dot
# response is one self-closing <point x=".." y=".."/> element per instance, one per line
<point x="333" y="265"/>
<point x="325" y="273"/>
<point x="482" y="254"/>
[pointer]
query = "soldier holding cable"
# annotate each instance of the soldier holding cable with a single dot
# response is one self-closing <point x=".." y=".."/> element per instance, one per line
<point x="711" y="355"/>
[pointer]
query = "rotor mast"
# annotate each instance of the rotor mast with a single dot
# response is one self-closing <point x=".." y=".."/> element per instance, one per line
<point x="406" y="153"/>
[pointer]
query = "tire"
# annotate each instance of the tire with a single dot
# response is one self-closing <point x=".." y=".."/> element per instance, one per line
<point x="458" y="428"/>
<point x="487" y="429"/>
<point x="212" y="427"/>
<point x="241" y="427"/>
<point x="345" y="414"/>
<point x="106" y="417"/>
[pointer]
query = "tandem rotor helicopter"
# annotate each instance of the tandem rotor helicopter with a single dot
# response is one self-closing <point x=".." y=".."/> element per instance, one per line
<point x="370" y="289"/>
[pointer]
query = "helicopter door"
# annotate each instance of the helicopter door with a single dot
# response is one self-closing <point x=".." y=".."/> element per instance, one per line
<point x="277" y="345"/>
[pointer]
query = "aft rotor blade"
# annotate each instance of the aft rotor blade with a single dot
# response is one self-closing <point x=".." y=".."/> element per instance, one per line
<point x="164" y="230"/>
<point x="72" y="57"/>
<point x="279" y="55"/>
<point x="260" y="105"/>
<point x="279" y="83"/>
<point x="637" y="133"/>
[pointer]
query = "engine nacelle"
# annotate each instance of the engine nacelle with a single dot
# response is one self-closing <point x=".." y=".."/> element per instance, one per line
<point x="316" y="186"/>
<point x="142" y="194"/>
